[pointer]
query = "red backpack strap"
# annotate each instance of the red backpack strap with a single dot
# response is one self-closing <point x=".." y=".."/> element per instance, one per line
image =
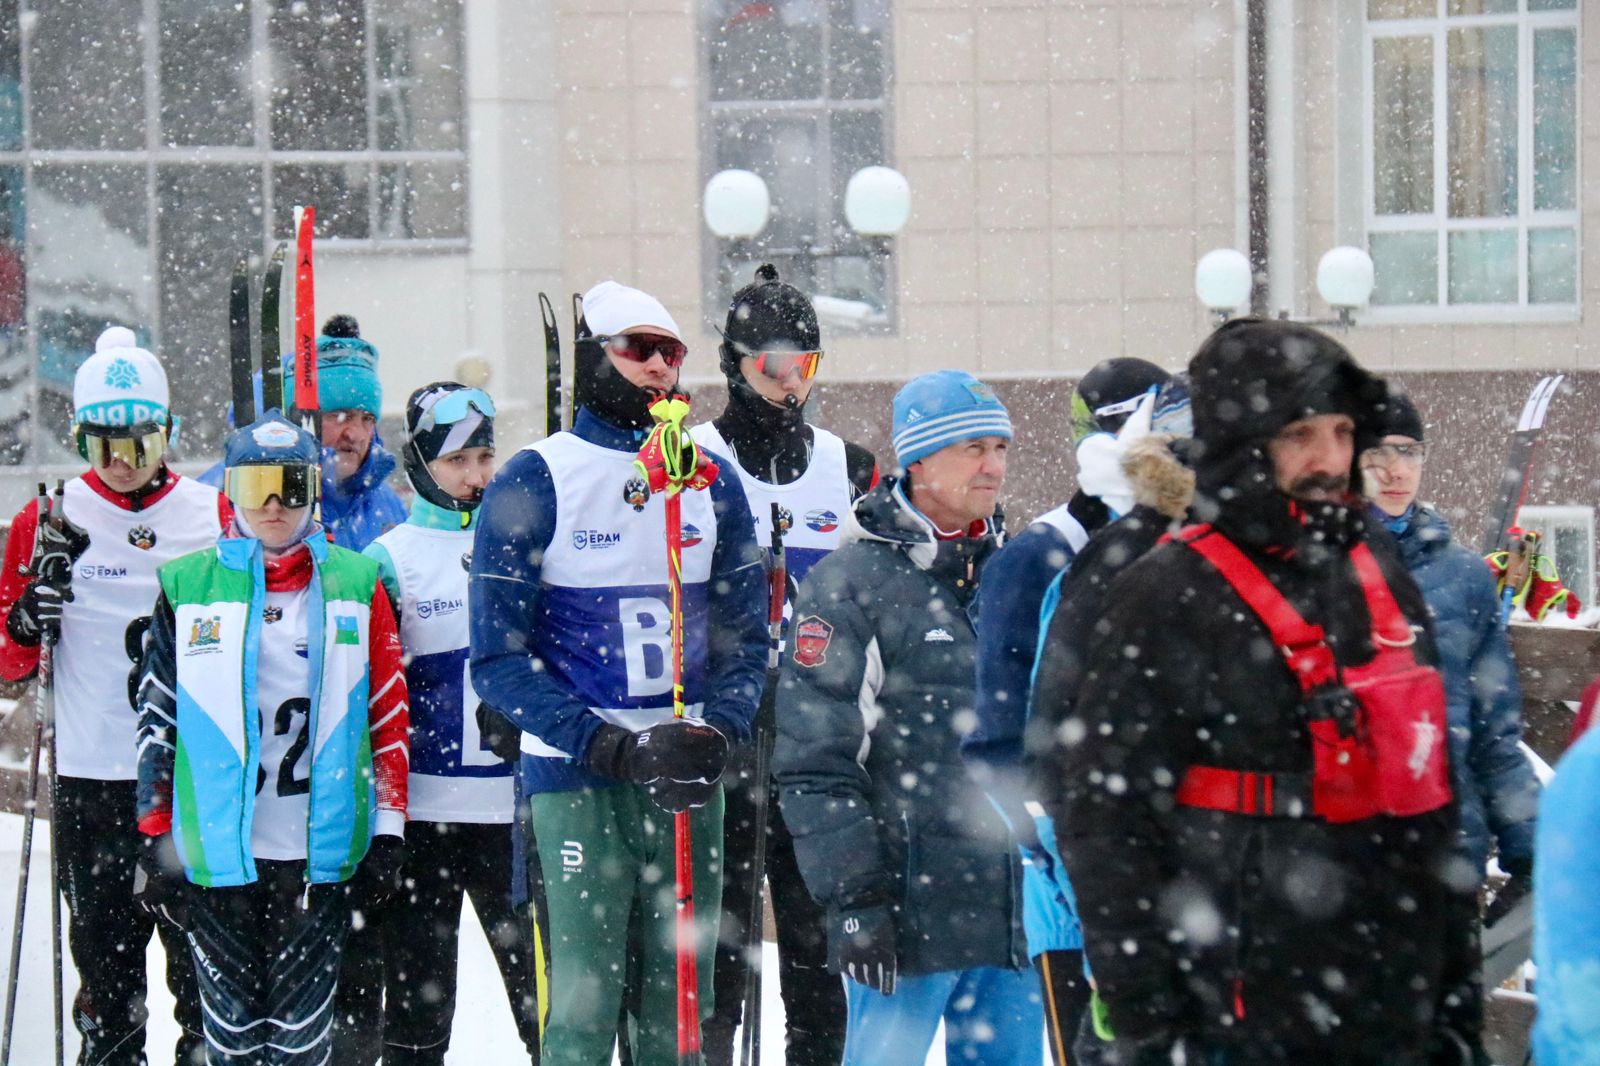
<point x="1187" y="533"/>
<point x="1303" y="645"/>
<point x="1389" y="626"/>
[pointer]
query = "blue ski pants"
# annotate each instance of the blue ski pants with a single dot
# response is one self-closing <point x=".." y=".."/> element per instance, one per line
<point x="992" y="1017"/>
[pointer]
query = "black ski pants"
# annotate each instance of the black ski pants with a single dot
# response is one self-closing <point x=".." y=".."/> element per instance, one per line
<point x="267" y="958"/>
<point x="397" y="995"/>
<point x="98" y="846"/>
<point x="813" y="998"/>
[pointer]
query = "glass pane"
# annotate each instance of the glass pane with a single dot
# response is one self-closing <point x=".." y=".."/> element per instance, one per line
<point x="768" y="51"/>
<point x="1482" y="7"/>
<point x="1406" y="268"/>
<point x="1482" y="83"/>
<point x="417" y="91"/>
<point x="1552" y="266"/>
<point x="339" y="193"/>
<point x="1555" y="120"/>
<point x="422" y="200"/>
<point x="10" y="78"/>
<point x="856" y="49"/>
<point x="1483" y="267"/>
<point x="14" y="391"/>
<point x="207" y="216"/>
<point x="319" y="91"/>
<point x="89" y="267"/>
<point x="1402" y="9"/>
<point x="205" y="60"/>
<point x="86" y="75"/>
<point x="1574" y="555"/>
<point x="1402" y="125"/>
<point x="1552" y="5"/>
<point x="784" y="152"/>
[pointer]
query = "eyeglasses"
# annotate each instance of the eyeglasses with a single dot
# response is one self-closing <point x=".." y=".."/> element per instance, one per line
<point x="639" y="347"/>
<point x="779" y="365"/>
<point x="137" y="446"/>
<point x="252" y="486"/>
<point x="453" y="406"/>
<point x="1397" y="454"/>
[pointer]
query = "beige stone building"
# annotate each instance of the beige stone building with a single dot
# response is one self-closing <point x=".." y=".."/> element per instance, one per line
<point x="1069" y="162"/>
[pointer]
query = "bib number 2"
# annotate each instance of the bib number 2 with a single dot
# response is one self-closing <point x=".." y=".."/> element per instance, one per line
<point x="289" y="782"/>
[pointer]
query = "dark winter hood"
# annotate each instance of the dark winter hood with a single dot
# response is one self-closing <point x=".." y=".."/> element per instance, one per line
<point x="1250" y="379"/>
<point x="886" y="515"/>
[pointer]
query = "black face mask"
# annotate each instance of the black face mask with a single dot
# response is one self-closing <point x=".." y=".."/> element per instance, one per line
<point x="602" y="388"/>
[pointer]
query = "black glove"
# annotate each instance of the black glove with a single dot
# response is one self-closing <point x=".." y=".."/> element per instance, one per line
<point x="861" y="945"/>
<point x="378" y="878"/>
<point x="498" y="735"/>
<point x="675" y="796"/>
<point x="160" y="885"/>
<point x="60" y="544"/>
<point x="680" y="750"/>
<point x="1511" y="893"/>
<point x="37" y="612"/>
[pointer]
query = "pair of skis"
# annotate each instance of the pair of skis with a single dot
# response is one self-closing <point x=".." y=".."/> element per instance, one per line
<point x="559" y="415"/>
<point x="242" y="341"/>
<point x="1517" y="473"/>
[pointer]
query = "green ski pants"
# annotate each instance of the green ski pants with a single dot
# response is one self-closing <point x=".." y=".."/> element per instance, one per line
<point x="608" y="857"/>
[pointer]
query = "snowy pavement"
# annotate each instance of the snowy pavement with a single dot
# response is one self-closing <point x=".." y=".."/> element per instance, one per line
<point x="483" y="1035"/>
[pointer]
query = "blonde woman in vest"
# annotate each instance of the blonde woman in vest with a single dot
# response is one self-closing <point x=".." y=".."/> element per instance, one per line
<point x="272" y="754"/>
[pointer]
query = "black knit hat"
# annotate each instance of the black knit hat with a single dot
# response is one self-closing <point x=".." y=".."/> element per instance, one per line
<point x="1114" y="384"/>
<point x="764" y="313"/>
<point x="1400" y="416"/>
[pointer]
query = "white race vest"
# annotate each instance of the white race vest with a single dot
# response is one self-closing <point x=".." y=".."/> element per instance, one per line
<point x="113" y="584"/>
<point x="283" y="679"/>
<point x="454" y="778"/>
<point x="603" y="624"/>
<point x="817" y="500"/>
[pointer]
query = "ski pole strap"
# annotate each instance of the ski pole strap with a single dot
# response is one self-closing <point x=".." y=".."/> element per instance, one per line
<point x="670" y="461"/>
<point x="1264" y="795"/>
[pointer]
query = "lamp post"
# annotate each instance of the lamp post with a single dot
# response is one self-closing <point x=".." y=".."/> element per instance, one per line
<point x="1223" y="279"/>
<point x="877" y="204"/>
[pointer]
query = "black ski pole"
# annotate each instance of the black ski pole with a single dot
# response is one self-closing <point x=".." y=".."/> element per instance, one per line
<point x="552" y="367"/>
<point x="271" y="331"/>
<point x="580" y="333"/>
<point x="766" y="727"/>
<point x="47" y="710"/>
<point x="239" y="360"/>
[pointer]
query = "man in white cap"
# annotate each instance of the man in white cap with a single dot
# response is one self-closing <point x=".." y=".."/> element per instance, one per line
<point x="124" y="516"/>
<point x="570" y="619"/>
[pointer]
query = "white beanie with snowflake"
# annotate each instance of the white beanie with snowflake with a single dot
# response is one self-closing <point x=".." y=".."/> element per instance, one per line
<point x="121" y="384"/>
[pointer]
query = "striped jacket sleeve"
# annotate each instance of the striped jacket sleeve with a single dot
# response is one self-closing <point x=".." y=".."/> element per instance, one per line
<point x="388" y="714"/>
<point x="158" y="722"/>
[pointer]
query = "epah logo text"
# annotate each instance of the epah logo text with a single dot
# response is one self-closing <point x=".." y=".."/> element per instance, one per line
<point x="430" y="608"/>
<point x="595" y="538"/>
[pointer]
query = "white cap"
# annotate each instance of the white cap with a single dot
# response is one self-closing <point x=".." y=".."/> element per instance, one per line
<point x="610" y="308"/>
<point x="121" y="384"/>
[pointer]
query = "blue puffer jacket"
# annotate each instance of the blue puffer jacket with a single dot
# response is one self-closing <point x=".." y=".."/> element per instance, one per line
<point x="1498" y="791"/>
<point x="358" y="510"/>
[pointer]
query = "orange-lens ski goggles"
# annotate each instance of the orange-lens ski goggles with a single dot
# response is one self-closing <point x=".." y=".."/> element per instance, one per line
<point x="779" y="365"/>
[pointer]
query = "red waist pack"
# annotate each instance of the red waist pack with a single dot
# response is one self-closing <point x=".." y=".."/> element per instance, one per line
<point x="1378" y="732"/>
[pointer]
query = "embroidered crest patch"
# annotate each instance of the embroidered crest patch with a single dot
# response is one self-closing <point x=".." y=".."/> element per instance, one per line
<point x="811" y="639"/>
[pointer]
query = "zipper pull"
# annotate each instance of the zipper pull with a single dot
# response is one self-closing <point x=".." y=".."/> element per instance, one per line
<point x="305" y="898"/>
<point x="1238" y="998"/>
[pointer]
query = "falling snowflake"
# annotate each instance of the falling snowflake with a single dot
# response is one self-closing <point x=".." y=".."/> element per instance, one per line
<point x="122" y="374"/>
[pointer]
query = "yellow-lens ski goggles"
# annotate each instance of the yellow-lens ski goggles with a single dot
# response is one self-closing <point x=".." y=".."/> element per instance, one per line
<point x="137" y="446"/>
<point x="252" y="486"/>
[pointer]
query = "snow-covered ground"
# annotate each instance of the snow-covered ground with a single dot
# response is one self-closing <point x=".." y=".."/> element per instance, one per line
<point x="483" y="1036"/>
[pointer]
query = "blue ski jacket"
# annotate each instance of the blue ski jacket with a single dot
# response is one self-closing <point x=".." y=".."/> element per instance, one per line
<point x="1566" y="912"/>
<point x="1493" y="780"/>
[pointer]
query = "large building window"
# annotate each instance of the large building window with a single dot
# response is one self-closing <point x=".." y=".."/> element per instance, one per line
<point x="146" y="144"/>
<point x="797" y="92"/>
<point x="1472" y="154"/>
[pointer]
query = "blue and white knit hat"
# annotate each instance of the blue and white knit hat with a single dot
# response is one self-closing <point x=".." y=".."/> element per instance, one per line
<point x="121" y="384"/>
<point x="943" y="408"/>
<point x="347" y="369"/>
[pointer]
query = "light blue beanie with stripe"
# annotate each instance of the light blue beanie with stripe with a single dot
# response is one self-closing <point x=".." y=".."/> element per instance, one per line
<point x="942" y="408"/>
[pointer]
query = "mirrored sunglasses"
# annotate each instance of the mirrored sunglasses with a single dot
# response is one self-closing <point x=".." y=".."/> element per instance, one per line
<point x="252" y="486"/>
<point x="639" y="347"/>
<point x="779" y="365"/>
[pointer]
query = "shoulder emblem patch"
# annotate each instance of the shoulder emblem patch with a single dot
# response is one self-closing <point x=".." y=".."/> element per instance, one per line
<point x="811" y="639"/>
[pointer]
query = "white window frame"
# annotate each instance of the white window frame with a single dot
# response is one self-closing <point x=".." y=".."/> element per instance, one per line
<point x="1439" y="220"/>
<point x="1546" y="519"/>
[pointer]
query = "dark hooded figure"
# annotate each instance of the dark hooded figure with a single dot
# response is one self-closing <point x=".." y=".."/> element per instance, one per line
<point x="1253" y="787"/>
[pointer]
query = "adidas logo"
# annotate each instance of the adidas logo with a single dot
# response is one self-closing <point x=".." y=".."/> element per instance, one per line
<point x="913" y="415"/>
<point x="938" y="635"/>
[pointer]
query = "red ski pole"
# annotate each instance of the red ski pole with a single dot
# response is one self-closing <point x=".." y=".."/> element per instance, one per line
<point x="670" y="462"/>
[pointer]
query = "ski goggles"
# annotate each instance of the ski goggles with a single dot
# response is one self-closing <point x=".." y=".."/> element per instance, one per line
<point x="252" y="486"/>
<point x="779" y="365"/>
<point x="640" y="347"/>
<point x="453" y="406"/>
<point x="137" y="446"/>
